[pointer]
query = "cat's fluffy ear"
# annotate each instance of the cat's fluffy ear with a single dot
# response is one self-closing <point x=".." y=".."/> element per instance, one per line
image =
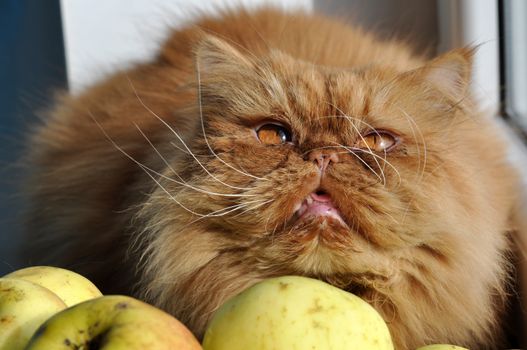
<point x="228" y="79"/>
<point x="451" y="72"/>
<point x="216" y="57"/>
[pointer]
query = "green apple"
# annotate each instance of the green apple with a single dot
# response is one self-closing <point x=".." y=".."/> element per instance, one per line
<point x="441" y="347"/>
<point x="113" y="322"/>
<point x="294" y="312"/>
<point x="24" y="306"/>
<point x="71" y="287"/>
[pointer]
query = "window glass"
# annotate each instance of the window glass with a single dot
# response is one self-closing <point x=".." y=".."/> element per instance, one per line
<point x="515" y="60"/>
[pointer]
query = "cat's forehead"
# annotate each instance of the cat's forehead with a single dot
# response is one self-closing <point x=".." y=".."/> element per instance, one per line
<point x="322" y="98"/>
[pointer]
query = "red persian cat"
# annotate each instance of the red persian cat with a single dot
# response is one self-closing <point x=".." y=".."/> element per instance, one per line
<point x="260" y="144"/>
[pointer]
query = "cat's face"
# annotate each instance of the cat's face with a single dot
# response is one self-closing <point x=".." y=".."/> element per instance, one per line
<point x="374" y="179"/>
<point x="321" y="171"/>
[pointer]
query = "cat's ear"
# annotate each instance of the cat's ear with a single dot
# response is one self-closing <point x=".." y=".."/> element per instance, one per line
<point x="451" y="72"/>
<point x="216" y="57"/>
<point x="228" y="80"/>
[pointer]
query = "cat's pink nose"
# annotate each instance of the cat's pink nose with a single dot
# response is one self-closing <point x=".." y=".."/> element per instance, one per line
<point x="322" y="158"/>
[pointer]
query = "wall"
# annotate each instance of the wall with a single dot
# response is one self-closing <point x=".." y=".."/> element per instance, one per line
<point x="414" y="21"/>
<point x="117" y="33"/>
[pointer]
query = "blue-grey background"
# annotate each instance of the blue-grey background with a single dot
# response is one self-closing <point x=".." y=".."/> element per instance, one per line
<point x="32" y="66"/>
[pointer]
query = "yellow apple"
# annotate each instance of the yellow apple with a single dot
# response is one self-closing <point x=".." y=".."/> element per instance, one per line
<point x="71" y="287"/>
<point x="113" y="322"/>
<point x="442" y="347"/>
<point x="24" y="306"/>
<point x="294" y="312"/>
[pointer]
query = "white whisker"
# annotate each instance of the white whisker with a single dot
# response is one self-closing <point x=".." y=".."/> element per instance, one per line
<point x="141" y="166"/>
<point x="412" y="121"/>
<point x="181" y="140"/>
<point x="179" y="148"/>
<point x="205" y="134"/>
<point x="254" y="207"/>
<point x="181" y="180"/>
<point x="231" y="208"/>
<point x="386" y="162"/>
<point x="159" y="153"/>
<point x="352" y="151"/>
<point x="344" y="115"/>
<point x="348" y="151"/>
<point x="225" y="211"/>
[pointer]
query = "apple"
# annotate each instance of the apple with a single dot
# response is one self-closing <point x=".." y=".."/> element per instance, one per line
<point x="293" y="312"/>
<point x="24" y="306"/>
<point x="71" y="287"/>
<point x="442" y="347"/>
<point x="113" y="322"/>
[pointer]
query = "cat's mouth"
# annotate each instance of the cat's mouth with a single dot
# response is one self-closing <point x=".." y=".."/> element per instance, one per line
<point x="318" y="204"/>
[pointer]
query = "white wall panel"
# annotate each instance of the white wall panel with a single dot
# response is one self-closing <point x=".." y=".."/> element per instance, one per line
<point x="101" y="36"/>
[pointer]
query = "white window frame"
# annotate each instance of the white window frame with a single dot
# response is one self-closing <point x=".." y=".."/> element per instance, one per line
<point x="475" y="22"/>
<point x="515" y="58"/>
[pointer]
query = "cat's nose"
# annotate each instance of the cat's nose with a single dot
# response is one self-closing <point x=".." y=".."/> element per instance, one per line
<point x="322" y="158"/>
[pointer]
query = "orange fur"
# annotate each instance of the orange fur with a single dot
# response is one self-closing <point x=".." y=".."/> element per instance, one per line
<point x="117" y="195"/>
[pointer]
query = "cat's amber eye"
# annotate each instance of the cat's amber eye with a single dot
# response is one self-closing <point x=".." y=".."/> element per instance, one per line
<point x="273" y="134"/>
<point x="377" y="141"/>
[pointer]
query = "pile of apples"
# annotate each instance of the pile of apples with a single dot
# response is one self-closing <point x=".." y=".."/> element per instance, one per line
<point x="49" y="308"/>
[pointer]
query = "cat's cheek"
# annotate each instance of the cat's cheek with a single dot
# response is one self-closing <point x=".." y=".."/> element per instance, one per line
<point x="260" y="160"/>
<point x="367" y="206"/>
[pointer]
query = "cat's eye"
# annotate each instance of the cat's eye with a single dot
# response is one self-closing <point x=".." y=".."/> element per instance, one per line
<point x="273" y="134"/>
<point x="377" y="141"/>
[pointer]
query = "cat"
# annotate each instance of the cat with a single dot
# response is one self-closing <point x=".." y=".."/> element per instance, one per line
<point x="264" y="143"/>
